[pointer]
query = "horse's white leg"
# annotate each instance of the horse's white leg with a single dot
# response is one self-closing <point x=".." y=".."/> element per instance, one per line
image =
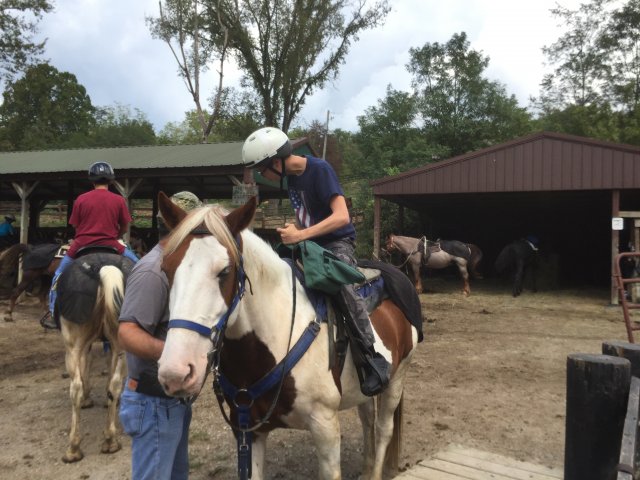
<point x="75" y="350"/>
<point x="85" y="372"/>
<point x="388" y="402"/>
<point x="415" y="268"/>
<point x="117" y="370"/>
<point x="258" y="451"/>
<point x="462" y="267"/>
<point x="325" y="431"/>
<point x="367" y="414"/>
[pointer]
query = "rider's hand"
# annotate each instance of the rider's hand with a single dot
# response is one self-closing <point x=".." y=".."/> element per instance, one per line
<point x="290" y="234"/>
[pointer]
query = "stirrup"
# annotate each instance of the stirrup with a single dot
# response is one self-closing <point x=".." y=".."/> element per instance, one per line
<point x="376" y="375"/>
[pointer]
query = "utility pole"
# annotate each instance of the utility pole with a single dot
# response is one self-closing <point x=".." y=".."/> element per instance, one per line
<point x="326" y="134"/>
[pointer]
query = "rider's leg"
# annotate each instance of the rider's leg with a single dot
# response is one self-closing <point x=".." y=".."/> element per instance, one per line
<point x="53" y="293"/>
<point x="376" y="369"/>
<point x="130" y="255"/>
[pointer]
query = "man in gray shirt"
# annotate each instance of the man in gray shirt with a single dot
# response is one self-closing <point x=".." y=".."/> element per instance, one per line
<point x="157" y="424"/>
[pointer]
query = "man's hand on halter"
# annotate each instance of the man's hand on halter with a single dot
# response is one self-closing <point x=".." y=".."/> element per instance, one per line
<point x="290" y="233"/>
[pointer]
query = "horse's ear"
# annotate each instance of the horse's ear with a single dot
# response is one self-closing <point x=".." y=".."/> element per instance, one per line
<point x="241" y="217"/>
<point x="172" y="214"/>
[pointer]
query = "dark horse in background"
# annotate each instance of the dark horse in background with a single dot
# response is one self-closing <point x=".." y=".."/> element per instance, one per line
<point x="516" y="259"/>
<point x="421" y="252"/>
<point x="39" y="263"/>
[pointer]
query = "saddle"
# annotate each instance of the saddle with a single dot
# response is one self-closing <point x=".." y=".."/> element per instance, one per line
<point x="78" y="284"/>
<point x="428" y="247"/>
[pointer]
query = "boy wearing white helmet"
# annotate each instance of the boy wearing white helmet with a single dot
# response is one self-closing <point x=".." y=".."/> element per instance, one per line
<point x="322" y="216"/>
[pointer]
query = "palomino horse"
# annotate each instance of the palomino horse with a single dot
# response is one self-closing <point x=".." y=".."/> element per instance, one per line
<point x="517" y="258"/>
<point x="90" y="293"/>
<point x="422" y="252"/>
<point x="38" y="264"/>
<point x="257" y="337"/>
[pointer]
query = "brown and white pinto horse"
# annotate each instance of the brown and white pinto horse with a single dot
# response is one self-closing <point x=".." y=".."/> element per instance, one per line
<point x="206" y="259"/>
<point x="422" y="252"/>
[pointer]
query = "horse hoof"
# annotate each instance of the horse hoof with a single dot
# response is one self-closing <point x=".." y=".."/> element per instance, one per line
<point x="73" y="456"/>
<point x="87" y="403"/>
<point x="8" y="318"/>
<point x="110" y="446"/>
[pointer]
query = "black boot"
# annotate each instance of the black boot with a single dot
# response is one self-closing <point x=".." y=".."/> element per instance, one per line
<point x="376" y="373"/>
<point x="49" y="323"/>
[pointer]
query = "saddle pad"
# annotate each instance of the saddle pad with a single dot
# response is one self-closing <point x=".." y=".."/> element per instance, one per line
<point x="39" y="256"/>
<point x="78" y="284"/>
<point x="401" y="291"/>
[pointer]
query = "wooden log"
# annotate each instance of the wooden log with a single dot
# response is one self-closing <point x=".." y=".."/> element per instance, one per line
<point x="597" y="390"/>
<point x="630" y="351"/>
<point x="629" y="444"/>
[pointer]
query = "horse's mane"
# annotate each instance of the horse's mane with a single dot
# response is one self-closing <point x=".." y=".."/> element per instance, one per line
<point x="213" y="218"/>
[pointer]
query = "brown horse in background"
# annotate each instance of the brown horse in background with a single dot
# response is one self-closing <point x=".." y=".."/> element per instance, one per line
<point x="39" y="264"/>
<point x="421" y="252"/>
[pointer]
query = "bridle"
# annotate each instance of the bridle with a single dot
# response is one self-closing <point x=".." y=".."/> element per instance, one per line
<point x="415" y="250"/>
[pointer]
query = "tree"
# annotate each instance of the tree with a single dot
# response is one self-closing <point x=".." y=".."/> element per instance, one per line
<point x="181" y="27"/>
<point x="117" y="126"/>
<point x="18" y="25"/>
<point x="391" y="138"/>
<point x="579" y="60"/>
<point x="460" y="109"/>
<point x="289" y="48"/>
<point x="45" y="109"/>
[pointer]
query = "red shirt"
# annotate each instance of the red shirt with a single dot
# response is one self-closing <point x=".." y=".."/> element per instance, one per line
<point x="98" y="216"/>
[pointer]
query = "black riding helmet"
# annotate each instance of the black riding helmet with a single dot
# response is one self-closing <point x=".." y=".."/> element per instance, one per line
<point x="101" y="172"/>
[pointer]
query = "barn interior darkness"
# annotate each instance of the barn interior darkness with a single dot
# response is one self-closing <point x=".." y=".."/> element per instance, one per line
<point x="573" y="228"/>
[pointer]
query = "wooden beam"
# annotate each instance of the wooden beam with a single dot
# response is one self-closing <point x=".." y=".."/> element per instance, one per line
<point x="24" y="189"/>
<point x="615" y="240"/>
<point x="628" y="214"/>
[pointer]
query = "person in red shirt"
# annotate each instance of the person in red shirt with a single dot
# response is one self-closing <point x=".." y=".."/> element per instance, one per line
<point x="99" y="217"/>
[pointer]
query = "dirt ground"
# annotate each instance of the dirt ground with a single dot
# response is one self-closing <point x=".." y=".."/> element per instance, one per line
<point x="489" y="375"/>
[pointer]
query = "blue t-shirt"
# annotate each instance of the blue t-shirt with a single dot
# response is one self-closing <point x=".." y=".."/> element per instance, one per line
<point x="6" y="229"/>
<point x="311" y="194"/>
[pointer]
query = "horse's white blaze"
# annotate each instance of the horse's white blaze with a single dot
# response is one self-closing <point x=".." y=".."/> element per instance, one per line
<point x="183" y="364"/>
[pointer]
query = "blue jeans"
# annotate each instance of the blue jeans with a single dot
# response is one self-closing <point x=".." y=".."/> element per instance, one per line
<point x="159" y="431"/>
<point x="64" y="263"/>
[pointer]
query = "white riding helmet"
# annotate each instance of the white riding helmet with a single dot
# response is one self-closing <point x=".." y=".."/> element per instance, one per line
<point x="264" y="145"/>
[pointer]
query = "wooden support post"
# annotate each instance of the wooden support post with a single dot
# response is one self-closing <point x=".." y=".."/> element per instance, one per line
<point x="630" y="351"/>
<point x="615" y="240"/>
<point x="24" y="190"/>
<point x="376" y="227"/>
<point x="597" y="390"/>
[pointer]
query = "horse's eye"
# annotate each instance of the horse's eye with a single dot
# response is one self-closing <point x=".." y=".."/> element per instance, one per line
<point x="224" y="272"/>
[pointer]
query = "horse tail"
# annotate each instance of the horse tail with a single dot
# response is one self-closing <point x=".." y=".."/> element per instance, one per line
<point x="394" y="450"/>
<point x="474" y="261"/>
<point x="112" y="282"/>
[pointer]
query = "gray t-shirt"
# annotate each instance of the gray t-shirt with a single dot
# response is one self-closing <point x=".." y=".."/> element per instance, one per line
<point x="146" y="302"/>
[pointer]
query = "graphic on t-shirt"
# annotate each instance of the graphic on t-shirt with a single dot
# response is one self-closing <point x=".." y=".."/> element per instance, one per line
<point x="297" y="200"/>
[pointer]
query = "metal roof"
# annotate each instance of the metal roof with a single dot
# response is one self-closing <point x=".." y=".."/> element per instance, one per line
<point x="209" y="169"/>
<point x="543" y="161"/>
<point x="143" y="157"/>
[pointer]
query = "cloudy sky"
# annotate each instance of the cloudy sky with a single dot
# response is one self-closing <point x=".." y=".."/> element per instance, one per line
<point x="107" y="45"/>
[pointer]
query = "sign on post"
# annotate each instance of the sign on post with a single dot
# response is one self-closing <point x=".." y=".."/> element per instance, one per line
<point x="617" y="223"/>
<point x="242" y="193"/>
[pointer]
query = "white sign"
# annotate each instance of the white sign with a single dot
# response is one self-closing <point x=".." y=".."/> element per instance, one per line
<point x="617" y="223"/>
<point x="242" y="193"/>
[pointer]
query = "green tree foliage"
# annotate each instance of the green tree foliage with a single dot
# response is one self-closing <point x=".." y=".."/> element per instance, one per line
<point x="117" y="126"/>
<point x="18" y="25"/>
<point x="290" y="48"/>
<point x="238" y="117"/>
<point x="44" y="109"/>
<point x="391" y="138"/>
<point x="594" y="89"/>
<point x="461" y="110"/>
